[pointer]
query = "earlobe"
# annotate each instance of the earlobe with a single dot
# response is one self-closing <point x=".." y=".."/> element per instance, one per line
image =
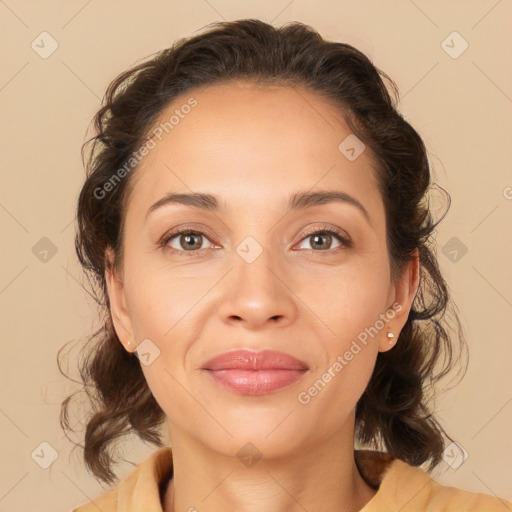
<point x="404" y="294"/>
<point x="388" y="341"/>
<point x="391" y="338"/>
<point x="117" y="302"/>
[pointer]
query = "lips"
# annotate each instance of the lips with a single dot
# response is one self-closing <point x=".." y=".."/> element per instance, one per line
<point x="248" y="360"/>
<point x="255" y="373"/>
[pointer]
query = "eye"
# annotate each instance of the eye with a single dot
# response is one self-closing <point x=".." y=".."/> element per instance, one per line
<point x="322" y="239"/>
<point x="185" y="240"/>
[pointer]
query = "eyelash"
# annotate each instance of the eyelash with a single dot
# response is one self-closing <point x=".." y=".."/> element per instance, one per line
<point x="186" y="231"/>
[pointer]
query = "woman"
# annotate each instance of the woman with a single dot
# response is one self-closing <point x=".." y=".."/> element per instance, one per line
<point x="255" y="218"/>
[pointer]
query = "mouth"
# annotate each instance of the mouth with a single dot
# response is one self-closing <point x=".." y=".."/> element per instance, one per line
<point x="255" y="373"/>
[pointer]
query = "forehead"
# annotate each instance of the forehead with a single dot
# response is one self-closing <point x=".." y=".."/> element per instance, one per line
<point x="244" y="141"/>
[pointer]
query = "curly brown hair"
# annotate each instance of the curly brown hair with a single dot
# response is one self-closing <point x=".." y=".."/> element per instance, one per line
<point x="394" y="411"/>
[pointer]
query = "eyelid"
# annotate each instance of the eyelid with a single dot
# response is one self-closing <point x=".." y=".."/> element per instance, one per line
<point x="187" y="228"/>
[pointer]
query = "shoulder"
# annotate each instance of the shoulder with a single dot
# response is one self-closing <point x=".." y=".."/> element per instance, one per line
<point x="140" y="490"/>
<point x="106" y="503"/>
<point x="410" y="489"/>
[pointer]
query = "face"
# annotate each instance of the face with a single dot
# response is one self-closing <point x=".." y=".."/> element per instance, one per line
<point x="311" y="281"/>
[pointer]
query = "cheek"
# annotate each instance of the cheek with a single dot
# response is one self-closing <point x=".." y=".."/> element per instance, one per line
<point x="160" y="300"/>
<point x="161" y="306"/>
<point x="333" y="389"/>
<point x="165" y="305"/>
<point x="349" y="305"/>
<point x="347" y="300"/>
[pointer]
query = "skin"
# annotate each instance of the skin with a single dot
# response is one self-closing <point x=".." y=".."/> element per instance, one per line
<point x="254" y="146"/>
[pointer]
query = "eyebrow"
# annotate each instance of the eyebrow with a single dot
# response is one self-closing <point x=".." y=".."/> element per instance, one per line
<point x="297" y="201"/>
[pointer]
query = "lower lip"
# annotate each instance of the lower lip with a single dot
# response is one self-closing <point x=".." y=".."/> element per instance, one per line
<point x="255" y="382"/>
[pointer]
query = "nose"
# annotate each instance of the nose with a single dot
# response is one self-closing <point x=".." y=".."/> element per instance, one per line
<point x="258" y="294"/>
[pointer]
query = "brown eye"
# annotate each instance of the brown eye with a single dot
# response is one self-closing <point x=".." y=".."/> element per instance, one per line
<point x="191" y="241"/>
<point x="186" y="241"/>
<point x="322" y="240"/>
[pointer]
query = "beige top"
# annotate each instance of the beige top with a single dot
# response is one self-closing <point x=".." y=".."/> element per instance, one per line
<point x="401" y="487"/>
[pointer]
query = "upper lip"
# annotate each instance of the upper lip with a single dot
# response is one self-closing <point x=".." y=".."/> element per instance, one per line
<point x="250" y="360"/>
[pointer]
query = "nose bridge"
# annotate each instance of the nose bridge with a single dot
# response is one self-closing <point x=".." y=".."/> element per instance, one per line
<point x="255" y="264"/>
<point x="256" y="293"/>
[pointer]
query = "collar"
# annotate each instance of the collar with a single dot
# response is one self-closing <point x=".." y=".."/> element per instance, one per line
<point x="143" y="489"/>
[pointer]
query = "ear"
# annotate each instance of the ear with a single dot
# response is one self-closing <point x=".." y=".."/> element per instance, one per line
<point x="402" y="295"/>
<point x="117" y="301"/>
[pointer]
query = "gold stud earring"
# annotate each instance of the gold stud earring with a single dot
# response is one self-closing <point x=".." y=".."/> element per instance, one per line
<point x="391" y="337"/>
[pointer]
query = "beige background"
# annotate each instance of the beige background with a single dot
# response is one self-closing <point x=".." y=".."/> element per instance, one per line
<point x="461" y="106"/>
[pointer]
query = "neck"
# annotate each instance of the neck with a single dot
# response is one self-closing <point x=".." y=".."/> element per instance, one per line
<point x="322" y="478"/>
